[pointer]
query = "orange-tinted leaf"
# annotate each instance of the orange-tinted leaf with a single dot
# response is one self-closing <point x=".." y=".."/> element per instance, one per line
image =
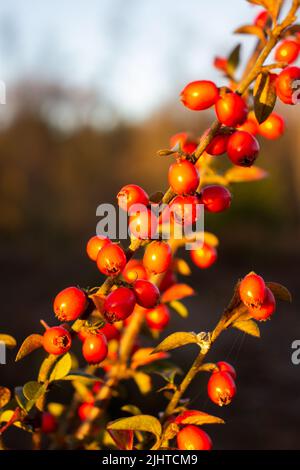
<point x="280" y="292"/>
<point x="252" y="29"/>
<point x="143" y="356"/>
<point x="31" y="343"/>
<point x="123" y="439"/>
<point x="238" y="174"/>
<point x="264" y="96"/>
<point x="198" y="418"/>
<point x="177" y="292"/>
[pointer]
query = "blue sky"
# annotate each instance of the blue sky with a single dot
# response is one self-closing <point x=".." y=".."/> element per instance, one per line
<point x="136" y="53"/>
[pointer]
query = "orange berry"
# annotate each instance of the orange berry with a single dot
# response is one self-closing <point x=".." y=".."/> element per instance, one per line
<point x="199" y="95"/>
<point x="205" y="256"/>
<point x="157" y="257"/>
<point x="183" y="177"/>
<point x="95" y="244"/>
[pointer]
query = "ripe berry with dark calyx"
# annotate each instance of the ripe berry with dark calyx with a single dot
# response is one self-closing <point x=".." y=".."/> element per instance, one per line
<point x="287" y="85"/>
<point x="187" y="144"/>
<point x="70" y="304"/>
<point x="143" y="224"/>
<point x="266" y="309"/>
<point x="273" y="127"/>
<point x="94" y="348"/>
<point x="199" y="95"/>
<point x="94" y="245"/>
<point x="111" y="260"/>
<point x="185" y="209"/>
<point x="218" y="145"/>
<point x="158" y="318"/>
<point x="231" y="110"/>
<point x="157" y="257"/>
<point x="192" y="437"/>
<point x="242" y="148"/>
<point x="146" y="293"/>
<point x="215" y="198"/>
<point x="119" y="304"/>
<point x="49" y="423"/>
<point x="57" y="340"/>
<point x="226" y="367"/>
<point x="287" y="51"/>
<point x="183" y="177"/>
<point x="134" y="270"/>
<point x="110" y="331"/>
<point x="204" y="257"/>
<point x="252" y="290"/>
<point x="221" y="388"/>
<point x="132" y="194"/>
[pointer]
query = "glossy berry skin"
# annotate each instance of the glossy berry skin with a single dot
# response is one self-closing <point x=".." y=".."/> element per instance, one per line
<point x="70" y="304"/>
<point x="143" y="225"/>
<point x="221" y="388"/>
<point x="215" y="198"/>
<point x="134" y="270"/>
<point x="284" y="85"/>
<point x="221" y="63"/>
<point x="204" y="257"/>
<point x="185" y="209"/>
<point x="49" y="423"/>
<point x="119" y="304"/>
<point x="57" y="340"/>
<point x="252" y="290"/>
<point x="187" y="144"/>
<point x="287" y="51"/>
<point x="158" y="318"/>
<point x="242" y="148"/>
<point x="273" y="127"/>
<point x="218" y="145"/>
<point x="157" y="257"/>
<point x="226" y="367"/>
<point x="183" y="177"/>
<point x="86" y="411"/>
<point x="132" y="194"/>
<point x="231" y="110"/>
<point x="146" y="293"/>
<point x="110" y="331"/>
<point x="199" y="95"/>
<point x="193" y="438"/>
<point x="94" y="245"/>
<point x="262" y="19"/>
<point x="266" y="309"/>
<point x="94" y="348"/>
<point x="111" y="260"/>
<point x="250" y="125"/>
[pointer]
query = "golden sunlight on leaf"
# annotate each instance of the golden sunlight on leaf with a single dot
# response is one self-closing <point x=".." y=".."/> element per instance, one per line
<point x="238" y="174"/>
<point x="177" y="292"/>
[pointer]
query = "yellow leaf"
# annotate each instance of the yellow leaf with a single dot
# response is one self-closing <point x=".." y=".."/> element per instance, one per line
<point x="176" y="340"/>
<point x="238" y="174"/>
<point x="143" y="382"/>
<point x="179" y="308"/>
<point x="247" y="326"/>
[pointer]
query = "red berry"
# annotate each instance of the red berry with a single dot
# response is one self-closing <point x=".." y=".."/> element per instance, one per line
<point x="49" y="423"/>
<point x="231" y="110"/>
<point x="221" y="63"/>
<point x="157" y="257"/>
<point x="147" y="294"/>
<point x="215" y="198"/>
<point x="252" y="290"/>
<point x="218" y="145"/>
<point x="94" y="245"/>
<point x="273" y="127"/>
<point x="97" y="387"/>
<point x="187" y="144"/>
<point x="143" y="224"/>
<point x="132" y="194"/>
<point x="57" y="340"/>
<point x="226" y="367"/>
<point x="168" y="280"/>
<point x="110" y="331"/>
<point x="221" y="388"/>
<point x="242" y="148"/>
<point x="287" y="51"/>
<point x="288" y="84"/>
<point x="119" y="304"/>
<point x="94" y="348"/>
<point x="250" y="125"/>
<point x="183" y="177"/>
<point x="205" y="256"/>
<point x="134" y="270"/>
<point x="185" y="209"/>
<point x="193" y="438"/>
<point x="111" y="260"/>
<point x="86" y="411"/>
<point x="266" y="309"/>
<point x="199" y="95"/>
<point x="70" y="303"/>
<point x="158" y="318"/>
<point x="262" y="19"/>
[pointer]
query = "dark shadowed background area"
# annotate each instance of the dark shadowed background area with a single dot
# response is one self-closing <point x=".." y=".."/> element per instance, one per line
<point x="87" y="107"/>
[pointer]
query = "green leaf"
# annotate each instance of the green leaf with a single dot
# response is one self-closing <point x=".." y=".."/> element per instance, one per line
<point x="233" y="60"/>
<point x="198" y="418"/>
<point x="144" y="423"/>
<point x="280" y="292"/>
<point x="176" y="340"/>
<point x="179" y="308"/>
<point x="252" y="29"/>
<point x="9" y="341"/>
<point x="20" y="398"/>
<point x="33" y="391"/>
<point x="31" y="343"/>
<point x="62" y="368"/>
<point x="132" y="409"/>
<point x="5" y="396"/>
<point x="264" y="96"/>
<point x="81" y="376"/>
<point x="247" y="326"/>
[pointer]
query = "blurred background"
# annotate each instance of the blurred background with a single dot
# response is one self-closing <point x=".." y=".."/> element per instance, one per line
<point x="91" y="95"/>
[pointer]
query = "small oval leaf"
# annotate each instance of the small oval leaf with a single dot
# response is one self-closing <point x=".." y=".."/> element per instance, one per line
<point x="31" y="343"/>
<point x="62" y="368"/>
<point x="177" y="292"/>
<point x="280" y="291"/>
<point x="145" y="423"/>
<point x="247" y="326"/>
<point x="238" y="174"/>
<point x="143" y="382"/>
<point x="264" y="96"/>
<point x="5" y="396"/>
<point x="179" y="308"/>
<point x="176" y="340"/>
<point x="252" y="29"/>
<point x="198" y="418"/>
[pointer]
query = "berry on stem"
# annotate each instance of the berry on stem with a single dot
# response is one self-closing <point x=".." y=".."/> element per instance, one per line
<point x="204" y="257"/>
<point x="157" y="257"/>
<point x="147" y="294"/>
<point x="183" y="177"/>
<point x="49" y="423"/>
<point x="215" y="198"/>
<point x="132" y="194"/>
<point x="266" y="309"/>
<point x="199" y="95"/>
<point x="94" y="245"/>
<point x="226" y="367"/>
<point x="287" y="85"/>
<point x="187" y="144"/>
<point x="287" y="51"/>
<point x="143" y="224"/>
<point x="184" y="209"/>
<point x="221" y="388"/>
<point x="252" y="290"/>
<point x="57" y="340"/>
<point x="242" y="148"/>
<point x="218" y="145"/>
<point x="134" y="270"/>
<point x="273" y="127"/>
<point x="119" y="304"/>
<point x="110" y="331"/>
<point x="94" y="348"/>
<point x="193" y="438"/>
<point x="70" y="304"/>
<point x="158" y="318"/>
<point x="231" y="110"/>
<point x="111" y="260"/>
